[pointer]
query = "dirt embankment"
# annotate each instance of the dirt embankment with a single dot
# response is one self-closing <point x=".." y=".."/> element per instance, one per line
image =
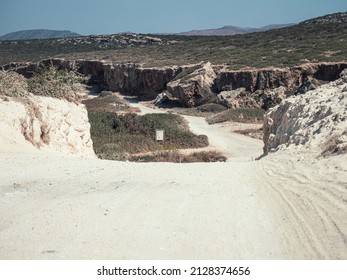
<point x="37" y="123"/>
<point x="315" y="122"/>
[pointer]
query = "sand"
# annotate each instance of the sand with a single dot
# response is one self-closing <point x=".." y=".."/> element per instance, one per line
<point x="281" y="207"/>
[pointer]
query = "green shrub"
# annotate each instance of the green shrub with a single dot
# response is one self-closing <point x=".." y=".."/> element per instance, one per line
<point x="53" y="82"/>
<point x="185" y="73"/>
<point x="281" y="47"/>
<point x="248" y="115"/>
<point x="115" y="135"/>
<point x="109" y="103"/>
<point x="211" y="108"/>
<point x="13" y="84"/>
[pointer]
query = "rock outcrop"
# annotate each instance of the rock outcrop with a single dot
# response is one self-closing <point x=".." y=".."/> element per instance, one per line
<point x="270" y="78"/>
<point x="237" y="98"/>
<point x="316" y="121"/>
<point x="271" y="98"/>
<point x="256" y="79"/>
<point x="132" y="79"/>
<point x="37" y="123"/>
<point x="193" y="83"/>
<point x="193" y="89"/>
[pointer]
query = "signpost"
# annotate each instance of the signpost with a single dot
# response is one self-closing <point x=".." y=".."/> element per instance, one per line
<point x="159" y="134"/>
<point x="240" y="117"/>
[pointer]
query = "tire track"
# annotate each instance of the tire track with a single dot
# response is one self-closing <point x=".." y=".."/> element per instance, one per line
<point x="313" y="203"/>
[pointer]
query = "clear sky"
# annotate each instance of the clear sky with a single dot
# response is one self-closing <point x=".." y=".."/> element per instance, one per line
<point x="156" y="16"/>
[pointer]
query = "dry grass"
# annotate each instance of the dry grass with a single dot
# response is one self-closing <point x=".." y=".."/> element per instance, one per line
<point x="13" y="84"/>
<point x="57" y="83"/>
<point x="109" y="102"/>
<point x="177" y="157"/>
<point x="205" y="110"/>
<point x="335" y="145"/>
<point x="253" y="133"/>
<point x="245" y="115"/>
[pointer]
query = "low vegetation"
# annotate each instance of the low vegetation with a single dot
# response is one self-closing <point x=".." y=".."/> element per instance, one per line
<point x="118" y="136"/>
<point x="335" y="145"/>
<point x="256" y="133"/>
<point x="13" y="84"/>
<point x="177" y="157"/>
<point x="205" y="110"/>
<point x="306" y="42"/>
<point x="237" y="115"/>
<point x="57" y="83"/>
<point x="107" y="101"/>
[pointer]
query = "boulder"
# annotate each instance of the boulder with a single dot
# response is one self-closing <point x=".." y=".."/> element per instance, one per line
<point x="273" y="98"/>
<point x="237" y="98"/>
<point x="194" y="87"/>
<point x="343" y="76"/>
<point x="226" y="97"/>
<point x="161" y="99"/>
<point x="307" y="85"/>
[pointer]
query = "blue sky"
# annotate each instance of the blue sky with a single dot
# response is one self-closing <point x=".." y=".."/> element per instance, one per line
<point x="156" y="16"/>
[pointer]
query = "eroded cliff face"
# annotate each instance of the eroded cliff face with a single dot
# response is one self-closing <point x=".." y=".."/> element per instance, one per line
<point x="316" y="121"/>
<point x="134" y="79"/>
<point x="36" y="123"/>
<point x="193" y="88"/>
<point x="270" y="78"/>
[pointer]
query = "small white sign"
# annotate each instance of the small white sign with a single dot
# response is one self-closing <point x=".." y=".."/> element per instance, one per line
<point x="159" y="135"/>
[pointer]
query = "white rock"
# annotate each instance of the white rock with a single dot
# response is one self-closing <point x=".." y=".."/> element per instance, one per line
<point x="310" y="120"/>
<point x="45" y="124"/>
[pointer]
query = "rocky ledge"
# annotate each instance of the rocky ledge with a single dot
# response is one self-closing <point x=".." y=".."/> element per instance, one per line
<point x="196" y="84"/>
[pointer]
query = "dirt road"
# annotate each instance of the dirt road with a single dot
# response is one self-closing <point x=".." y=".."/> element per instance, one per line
<point x="281" y="207"/>
<point x="86" y="209"/>
<point x="235" y="147"/>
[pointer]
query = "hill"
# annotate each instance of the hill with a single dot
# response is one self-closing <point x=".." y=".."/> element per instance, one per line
<point x="330" y="18"/>
<point x="318" y="40"/>
<point x="232" y="30"/>
<point x="38" y="34"/>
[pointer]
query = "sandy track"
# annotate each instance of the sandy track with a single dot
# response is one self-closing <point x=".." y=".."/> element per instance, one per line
<point x="235" y="147"/>
<point x="77" y="208"/>
<point x="280" y="207"/>
<point x="309" y="201"/>
<point x="66" y="208"/>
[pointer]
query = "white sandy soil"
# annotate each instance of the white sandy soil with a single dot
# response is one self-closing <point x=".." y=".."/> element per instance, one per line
<point x="281" y="207"/>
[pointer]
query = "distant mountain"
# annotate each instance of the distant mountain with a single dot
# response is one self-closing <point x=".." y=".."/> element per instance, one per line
<point x="38" y="34"/>
<point x="274" y="26"/>
<point x="232" y="30"/>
